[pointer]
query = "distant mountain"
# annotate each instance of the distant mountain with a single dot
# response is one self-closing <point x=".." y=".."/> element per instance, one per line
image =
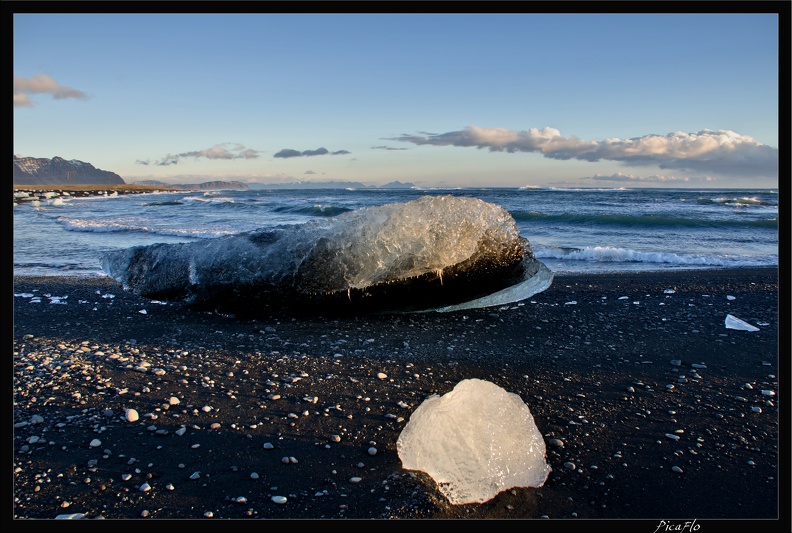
<point x="205" y="186"/>
<point x="397" y="185"/>
<point x="59" y="171"/>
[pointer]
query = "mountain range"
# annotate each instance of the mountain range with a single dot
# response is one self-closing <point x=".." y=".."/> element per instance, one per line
<point x="59" y="171"/>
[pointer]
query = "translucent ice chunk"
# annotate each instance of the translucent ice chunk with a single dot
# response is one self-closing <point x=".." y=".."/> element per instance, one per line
<point x="432" y="251"/>
<point x="475" y="441"/>
<point x="732" y="322"/>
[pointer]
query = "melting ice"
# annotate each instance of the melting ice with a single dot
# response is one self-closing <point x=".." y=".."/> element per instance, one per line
<point x="476" y="441"/>
<point x="435" y="252"/>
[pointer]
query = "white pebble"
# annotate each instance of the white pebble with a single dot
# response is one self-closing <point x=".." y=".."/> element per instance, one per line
<point x="676" y="469"/>
<point x="372" y="451"/>
<point x="95" y="443"/>
<point x="279" y="499"/>
<point x="131" y="415"/>
<point x="355" y="479"/>
<point x="382" y="375"/>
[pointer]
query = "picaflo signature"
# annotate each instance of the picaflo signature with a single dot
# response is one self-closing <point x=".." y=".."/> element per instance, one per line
<point x="677" y="527"/>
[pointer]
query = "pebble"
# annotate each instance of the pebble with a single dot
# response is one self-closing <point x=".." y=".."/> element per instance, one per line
<point x="279" y="499"/>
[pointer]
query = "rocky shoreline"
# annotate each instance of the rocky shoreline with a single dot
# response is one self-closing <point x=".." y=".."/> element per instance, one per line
<point x="31" y="193"/>
<point x="650" y="407"/>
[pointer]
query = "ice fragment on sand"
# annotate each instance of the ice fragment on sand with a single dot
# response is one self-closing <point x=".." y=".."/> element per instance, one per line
<point x="732" y="322"/>
<point x="475" y="441"/>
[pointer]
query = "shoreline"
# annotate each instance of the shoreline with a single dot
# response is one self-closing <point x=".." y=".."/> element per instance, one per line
<point x="608" y="364"/>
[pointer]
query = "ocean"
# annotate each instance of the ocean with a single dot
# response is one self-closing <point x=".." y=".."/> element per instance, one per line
<point x="569" y="230"/>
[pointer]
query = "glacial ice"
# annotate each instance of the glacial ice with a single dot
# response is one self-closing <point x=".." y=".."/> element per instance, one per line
<point x="432" y="252"/>
<point x="732" y="322"/>
<point x="475" y="442"/>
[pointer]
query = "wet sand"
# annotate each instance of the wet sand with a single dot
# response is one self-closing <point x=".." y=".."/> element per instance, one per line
<point x="663" y="413"/>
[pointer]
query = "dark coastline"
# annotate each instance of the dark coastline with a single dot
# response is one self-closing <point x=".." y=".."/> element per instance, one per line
<point x="595" y="374"/>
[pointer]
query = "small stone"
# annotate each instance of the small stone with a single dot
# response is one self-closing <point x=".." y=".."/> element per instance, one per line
<point x="382" y="375"/>
<point x="676" y="469"/>
<point x="131" y="415"/>
<point x="279" y="499"/>
<point x="372" y="451"/>
<point x="95" y="443"/>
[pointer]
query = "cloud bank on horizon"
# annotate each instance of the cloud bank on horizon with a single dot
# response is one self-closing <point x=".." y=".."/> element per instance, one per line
<point x="723" y="151"/>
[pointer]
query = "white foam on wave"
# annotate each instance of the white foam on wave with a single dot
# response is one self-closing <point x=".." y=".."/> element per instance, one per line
<point x="611" y="254"/>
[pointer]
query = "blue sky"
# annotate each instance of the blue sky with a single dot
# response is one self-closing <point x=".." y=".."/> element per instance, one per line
<point x="592" y="100"/>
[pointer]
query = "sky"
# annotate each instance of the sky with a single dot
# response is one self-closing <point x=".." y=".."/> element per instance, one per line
<point x="438" y="100"/>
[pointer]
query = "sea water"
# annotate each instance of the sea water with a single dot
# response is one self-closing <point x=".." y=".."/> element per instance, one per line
<point x="569" y="230"/>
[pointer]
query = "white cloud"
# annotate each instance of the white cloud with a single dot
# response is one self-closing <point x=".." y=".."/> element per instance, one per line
<point x="722" y="152"/>
<point x="219" y="151"/>
<point x="42" y="84"/>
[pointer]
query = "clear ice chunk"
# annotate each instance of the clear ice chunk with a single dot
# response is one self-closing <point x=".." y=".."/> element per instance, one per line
<point x="475" y="442"/>
<point x="732" y="322"/>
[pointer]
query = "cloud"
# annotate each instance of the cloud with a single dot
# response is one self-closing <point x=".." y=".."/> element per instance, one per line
<point x="288" y="152"/>
<point x="219" y="151"/>
<point x="628" y="178"/>
<point x="386" y="148"/>
<point x="722" y="151"/>
<point x="42" y="84"/>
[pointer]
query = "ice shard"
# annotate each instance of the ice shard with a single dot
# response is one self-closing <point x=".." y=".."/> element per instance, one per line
<point x="435" y="252"/>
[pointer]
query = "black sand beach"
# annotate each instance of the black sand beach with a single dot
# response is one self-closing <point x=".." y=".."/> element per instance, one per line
<point x="663" y="414"/>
